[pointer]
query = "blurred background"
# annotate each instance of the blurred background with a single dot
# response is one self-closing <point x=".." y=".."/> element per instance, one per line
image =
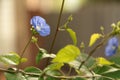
<point x="88" y="16"/>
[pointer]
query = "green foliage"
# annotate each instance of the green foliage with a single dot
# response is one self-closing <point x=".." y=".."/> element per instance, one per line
<point x="79" y="79"/>
<point x="67" y="54"/>
<point x="51" y="78"/>
<point x="94" y="37"/>
<point x="115" y="59"/>
<point x="39" y="56"/>
<point x="56" y="66"/>
<point x="43" y="54"/>
<point x="53" y="72"/>
<point x="72" y="35"/>
<point x="102" y="61"/>
<point x="113" y="74"/>
<point x="11" y="58"/>
<point x="14" y="76"/>
<point x="32" y="69"/>
<point x="69" y="63"/>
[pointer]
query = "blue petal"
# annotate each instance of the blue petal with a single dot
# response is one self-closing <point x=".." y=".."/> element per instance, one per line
<point x="45" y="30"/>
<point x="113" y="41"/>
<point x="40" y="25"/>
<point x="110" y="50"/>
<point x="37" y="21"/>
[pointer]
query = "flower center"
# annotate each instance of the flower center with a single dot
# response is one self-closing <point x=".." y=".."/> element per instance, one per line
<point x="38" y="28"/>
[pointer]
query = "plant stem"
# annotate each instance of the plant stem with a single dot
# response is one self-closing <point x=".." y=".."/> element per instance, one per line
<point x="37" y="45"/>
<point x="25" y="47"/>
<point x="70" y="70"/>
<point x="58" y="24"/>
<point x="94" y="49"/>
<point x="23" y="52"/>
<point x="58" y="77"/>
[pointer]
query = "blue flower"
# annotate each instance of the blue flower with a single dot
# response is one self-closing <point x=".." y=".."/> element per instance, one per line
<point x="113" y="41"/>
<point x="40" y="25"/>
<point x="111" y="47"/>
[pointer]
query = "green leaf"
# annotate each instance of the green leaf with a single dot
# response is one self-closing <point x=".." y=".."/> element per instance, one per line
<point x="108" y="72"/>
<point x="11" y="58"/>
<point x="67" y="54"/>
<point x="103" y="78"/>
<point x="32" y="70"/>
<point x="115" y="74"/>
<point x="51" y="78"/>
<point x="115" y="59"/>
<point x="83" y="70"/>
<point x="94" y="37"/>
<point x="14" y="76"/>
<point x="41" y="78"/>
<point x="101" y="69"/>
<point x="102" y="61"/>
<point x="76" y="63"/>
<point x="90" y="62"/>
<point x="72" y="35"/>
<point x="79" y="79"/>
<point x="39" y="56"/>
<point x="53" y="72"/>
<point x="43" y="54"/>
<point x="55" y="66"/>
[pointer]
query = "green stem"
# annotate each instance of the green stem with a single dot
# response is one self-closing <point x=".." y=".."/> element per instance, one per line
<point x="58" y="77"/>
<point x="37" y="45"/>
<point x="62" y="72"/>
<point x="23" y="52"/>
<point x="94" y="49"/>
<point x="58" y="24"/>
<point x="70" y="70"/>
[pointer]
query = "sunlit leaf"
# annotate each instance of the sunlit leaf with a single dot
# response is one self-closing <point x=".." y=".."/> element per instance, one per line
<point x="67" y="54"/>
<point x="103" y="61"/>
<point x="11" y="58"/>
<point x="94" y="37"/>
<point x="72" y="35"/>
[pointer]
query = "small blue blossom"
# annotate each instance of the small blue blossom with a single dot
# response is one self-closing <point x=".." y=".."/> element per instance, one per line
<point x="110" y="50"/>
<point x="40" y="25"/>
<point x="113" y="41"/>
<point x="111" y="47"/>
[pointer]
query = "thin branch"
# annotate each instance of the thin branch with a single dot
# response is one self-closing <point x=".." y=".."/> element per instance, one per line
<point x="58" y="24"/>
<point x="37" y="45"/>
<point x="58" y="77"/>
<point x="95" y="48"/>
<point x="23" y="52"/>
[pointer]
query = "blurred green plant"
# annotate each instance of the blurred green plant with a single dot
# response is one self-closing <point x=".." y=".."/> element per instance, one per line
<point x="81" y="65"/>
